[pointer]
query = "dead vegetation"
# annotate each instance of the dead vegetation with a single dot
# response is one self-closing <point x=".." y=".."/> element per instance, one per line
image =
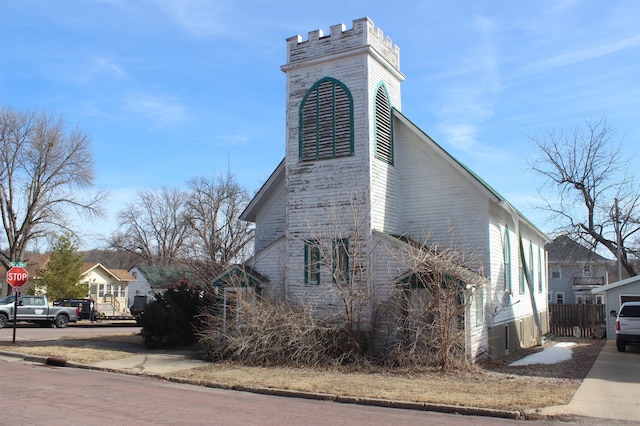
<point x="277" y="333"/>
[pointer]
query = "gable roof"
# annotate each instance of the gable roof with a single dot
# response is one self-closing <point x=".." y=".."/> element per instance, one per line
<point x="242" y="274"/>
<point x="123" y="275"/>
<point x="565" y="249"/>
<point x="406" y="243"/>
<point x="627" y="281"/>
<point x="272" y="183"/>
<point x="161" y="277"/>
<point x="90" y="266"/>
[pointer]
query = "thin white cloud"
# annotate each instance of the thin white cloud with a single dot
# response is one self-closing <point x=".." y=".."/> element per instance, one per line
<point x="469" y="101"/>
<point x="464" y="137"/>
<point x="163" y="110"/>
<point x="585" y="54"/>
<point x="199" y="17"/>
<point x="108" y="66"/>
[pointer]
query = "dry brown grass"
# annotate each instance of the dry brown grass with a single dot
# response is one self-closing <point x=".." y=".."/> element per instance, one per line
<point x="89" y="350"/>
<point x="474" y="389"/>
<point x="494" y="385"/>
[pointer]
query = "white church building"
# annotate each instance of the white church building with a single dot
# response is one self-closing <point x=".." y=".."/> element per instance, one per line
<point x="358" y="169"/>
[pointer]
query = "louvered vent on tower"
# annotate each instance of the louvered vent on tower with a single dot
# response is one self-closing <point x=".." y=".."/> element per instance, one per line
<point x="326" y="121"/>
<point x="383" y="127"/>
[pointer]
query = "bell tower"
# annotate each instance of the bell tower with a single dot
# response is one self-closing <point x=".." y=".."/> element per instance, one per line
<point x="342" y="89"/>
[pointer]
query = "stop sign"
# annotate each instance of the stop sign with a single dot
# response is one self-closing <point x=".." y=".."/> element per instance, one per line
<point x="17" y="276"/>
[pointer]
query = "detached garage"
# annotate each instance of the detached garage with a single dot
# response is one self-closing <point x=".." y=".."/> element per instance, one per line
<point x="615" y="294"/>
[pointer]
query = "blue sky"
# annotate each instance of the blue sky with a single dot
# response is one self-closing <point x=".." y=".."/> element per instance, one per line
<point x="174" y="89"/>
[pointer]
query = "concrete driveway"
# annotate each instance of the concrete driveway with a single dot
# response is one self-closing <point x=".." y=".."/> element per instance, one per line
<point x="611" y="390"/>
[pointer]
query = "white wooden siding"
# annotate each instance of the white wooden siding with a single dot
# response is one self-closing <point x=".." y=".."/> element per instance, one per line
<point x="509" y="307"/>
<point x="271" y="263"/>
<point x="270" y="220"/>
<point x="439" y="202"/>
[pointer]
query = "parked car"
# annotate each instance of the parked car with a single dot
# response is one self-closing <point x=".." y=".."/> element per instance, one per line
<point x="35" y="309"/>
<point x="628" y="325"/>
<point x="87" y="307"/>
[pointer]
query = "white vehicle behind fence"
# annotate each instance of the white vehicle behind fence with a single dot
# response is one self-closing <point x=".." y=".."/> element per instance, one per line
<point x="36" y="309"/>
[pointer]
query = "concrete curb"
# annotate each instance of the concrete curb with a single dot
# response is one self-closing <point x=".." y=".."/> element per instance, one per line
<point x="407" y="405"/>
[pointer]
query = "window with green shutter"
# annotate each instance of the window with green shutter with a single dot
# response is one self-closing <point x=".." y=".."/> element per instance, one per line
<point x="341" y="261"/>
<point x="506" y="253"/>
<point x="539" y="270"/>
<point x="522" y="278"/>
<point x="479" y="306"/>
<point x="311" y="262"/>
<point x="531" y="269"/>
<point x="326" y="121"/>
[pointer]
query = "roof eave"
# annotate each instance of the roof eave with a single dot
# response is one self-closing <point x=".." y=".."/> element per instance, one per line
<point x="249" y="213"/>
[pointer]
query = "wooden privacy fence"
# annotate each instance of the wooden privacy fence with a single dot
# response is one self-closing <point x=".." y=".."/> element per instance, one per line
<point x="576" y="320"/>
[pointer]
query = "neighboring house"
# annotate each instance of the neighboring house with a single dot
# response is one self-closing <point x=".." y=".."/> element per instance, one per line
<point x="614" y="295"/>
<point x="574" y="271"/>
<point x="108" y="287"/>
<point x="358" y="168"/>
<point x="152" y="280"/>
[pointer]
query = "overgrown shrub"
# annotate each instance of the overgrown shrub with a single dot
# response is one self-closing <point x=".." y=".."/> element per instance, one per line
<point x="171" y="320"/>
<point x="277" y="332"/>
<point x="421" y="331"/>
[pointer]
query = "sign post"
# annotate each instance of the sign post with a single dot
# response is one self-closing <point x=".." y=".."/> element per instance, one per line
<point x="17" y="276"/>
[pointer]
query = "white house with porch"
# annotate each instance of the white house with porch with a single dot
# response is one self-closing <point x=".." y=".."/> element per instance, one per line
<point x="107" y="287"/>
<point x="357" y="168"/>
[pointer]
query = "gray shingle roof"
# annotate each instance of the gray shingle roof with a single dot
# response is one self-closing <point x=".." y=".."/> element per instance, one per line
<point x="564" y="249"/>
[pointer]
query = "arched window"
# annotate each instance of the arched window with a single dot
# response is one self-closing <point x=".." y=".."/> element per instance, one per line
<point x="539" y="270"/>
<point x="326" y="121"/>
<point x="383" y="126"/>
<point x="506" y="248"/>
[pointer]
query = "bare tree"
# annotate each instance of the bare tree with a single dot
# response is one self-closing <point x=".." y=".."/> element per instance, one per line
<point x="44" y="171"/>
<point x="341" y="243"/>
<point x="220" y="238"/>
<point x="593" y="196"/>
<point x="155" y="227"/>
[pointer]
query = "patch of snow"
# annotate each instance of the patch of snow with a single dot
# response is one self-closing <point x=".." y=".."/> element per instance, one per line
<point x="551" y="355"/>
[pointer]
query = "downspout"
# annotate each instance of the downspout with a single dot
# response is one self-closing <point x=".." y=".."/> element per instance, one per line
<point x="527" y="275"/>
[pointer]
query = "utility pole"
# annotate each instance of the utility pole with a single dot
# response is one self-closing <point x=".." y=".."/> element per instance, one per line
<point x="618" y="239"/>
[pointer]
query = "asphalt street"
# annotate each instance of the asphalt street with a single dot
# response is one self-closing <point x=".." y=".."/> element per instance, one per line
<point x="37" y="394"/>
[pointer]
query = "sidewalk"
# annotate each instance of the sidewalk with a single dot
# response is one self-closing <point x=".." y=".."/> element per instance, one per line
<point x="157" y="363"/>
<point x="160" y="362"/>
<point x="611" y="390"/>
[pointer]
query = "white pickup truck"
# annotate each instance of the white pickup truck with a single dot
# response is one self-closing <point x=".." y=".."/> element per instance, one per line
<point x="628" y="325"/>
<point x="36" y="309"/>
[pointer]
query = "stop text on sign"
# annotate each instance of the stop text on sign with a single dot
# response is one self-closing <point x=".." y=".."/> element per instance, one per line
<point x="17" y="276"/>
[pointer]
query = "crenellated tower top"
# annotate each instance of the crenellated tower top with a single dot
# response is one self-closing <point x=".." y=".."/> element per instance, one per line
<point x="340" y="41"/>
